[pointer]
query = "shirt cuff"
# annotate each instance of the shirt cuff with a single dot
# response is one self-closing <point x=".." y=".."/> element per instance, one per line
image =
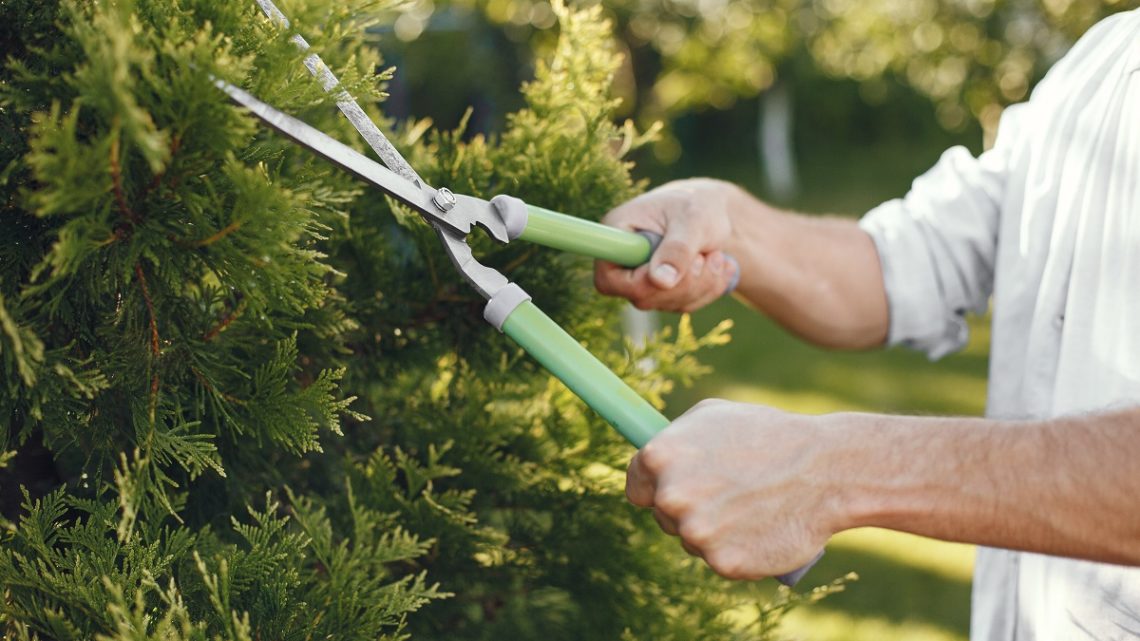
<point x="918" y="315"/>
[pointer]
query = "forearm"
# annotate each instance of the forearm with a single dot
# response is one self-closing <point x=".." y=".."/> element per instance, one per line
<point x="1065" y="487"/>
<point x="818" y="277"/>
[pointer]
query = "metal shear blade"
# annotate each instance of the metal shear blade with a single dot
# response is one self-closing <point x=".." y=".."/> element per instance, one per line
<point x="458" y="214"/>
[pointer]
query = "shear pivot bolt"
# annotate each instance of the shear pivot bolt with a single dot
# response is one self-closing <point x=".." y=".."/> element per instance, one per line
<point x="444" y="200"/>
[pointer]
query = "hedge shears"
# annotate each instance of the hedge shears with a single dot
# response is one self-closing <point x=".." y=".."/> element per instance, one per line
<point x="504" y="218"/>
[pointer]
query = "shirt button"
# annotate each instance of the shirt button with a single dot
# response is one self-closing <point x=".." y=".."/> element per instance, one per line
<point x="1059" y="321"/>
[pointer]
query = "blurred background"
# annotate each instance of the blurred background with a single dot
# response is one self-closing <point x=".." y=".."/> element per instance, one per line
<point x="824" y="106"/>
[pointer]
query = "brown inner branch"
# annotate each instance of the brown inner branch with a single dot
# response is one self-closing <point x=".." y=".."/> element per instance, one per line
<point x="220" y="234"/>
<point x="154" y="340"/>
<point x="225" y="322"/>
<point x="117" y="182"/>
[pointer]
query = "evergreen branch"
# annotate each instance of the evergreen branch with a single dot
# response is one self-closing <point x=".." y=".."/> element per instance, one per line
<point x="222" y="233"/>
<point x="225" y="322"/>
<point x="154" y="341"/>
<point x="118" y="234"/>
<point x="160" y="177"/>
<point x="20" y="345"/>
<point x="213" y="390"/>
<point x="117" y="180"/>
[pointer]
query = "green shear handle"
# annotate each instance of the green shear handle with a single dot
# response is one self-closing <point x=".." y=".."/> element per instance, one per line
<point x="587" y="238"/>
<point x="630" y="414"/>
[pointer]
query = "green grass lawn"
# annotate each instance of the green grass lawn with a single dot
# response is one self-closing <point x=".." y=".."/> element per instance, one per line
<point x="910" y="588"/>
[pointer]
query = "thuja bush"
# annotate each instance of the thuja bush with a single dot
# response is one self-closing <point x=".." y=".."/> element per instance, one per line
<point x="244" y="398"/>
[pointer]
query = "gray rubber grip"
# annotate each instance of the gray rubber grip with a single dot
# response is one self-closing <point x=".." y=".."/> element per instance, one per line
<point x="653" y="237"/>
<point x="793" y="577"/>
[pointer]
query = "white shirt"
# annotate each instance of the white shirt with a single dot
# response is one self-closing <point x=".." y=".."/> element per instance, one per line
<point x="1048" y="221"/>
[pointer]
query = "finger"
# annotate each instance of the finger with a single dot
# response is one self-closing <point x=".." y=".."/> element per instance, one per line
<point x="614" y="280"/>
<point x="724" y="271"/>
<point x="732" y="274"/>
<point x="712" y="284"/>
<point x="692" y="549"/>
<point x="704" y="283"/>
<point x="640" y="483"/>
<point x="636" y="286"/>
<point x="644" y="212"/>
<point x="633" y="285"/>
<point x="675" y="256"/>
<point x="667" y="524"/>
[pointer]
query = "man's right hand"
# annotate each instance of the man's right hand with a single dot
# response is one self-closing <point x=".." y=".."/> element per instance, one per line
<point x="689" y="269"/>
<point x="818" y="277"/>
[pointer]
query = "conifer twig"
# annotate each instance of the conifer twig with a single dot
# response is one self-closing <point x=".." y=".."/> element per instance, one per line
<point x="225" y="322"/>
<point x="154" y="340"/>
<point x="117" y="183"/>
<point x="213" y="390"/>
<point x="220" y="234"/>
<point x="160" y="177"/>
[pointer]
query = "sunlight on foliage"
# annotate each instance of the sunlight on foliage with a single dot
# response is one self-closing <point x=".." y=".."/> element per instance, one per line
<point x="252" y="400"/>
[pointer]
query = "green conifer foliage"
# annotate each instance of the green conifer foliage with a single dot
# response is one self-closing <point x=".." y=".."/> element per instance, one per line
<point x="245" y="399"/>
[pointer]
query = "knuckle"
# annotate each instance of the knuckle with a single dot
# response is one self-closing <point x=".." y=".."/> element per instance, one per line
<point x="676" y="250"/>
<point x="692" y="551"/>
<point x="673" y="301"/>
<point x="707" y="404"/>
<point x="636" y="490"/>
<point x="635" y="497"/>
<point x="667" y="524"/>
<point x="602" y="281"/>
<point x="727" y="563"/>
<point x="697" y="532"/>
<point x="697" y="268"/>
<point x="654" y="457"/>
<point x="672" y="502"/>
<point x="623" y="214"/>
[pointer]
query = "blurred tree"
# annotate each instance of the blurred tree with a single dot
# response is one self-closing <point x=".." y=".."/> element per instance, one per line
<point x="970" y="57"/>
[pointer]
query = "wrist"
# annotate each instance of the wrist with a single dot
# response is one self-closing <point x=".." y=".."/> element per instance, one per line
<point x="914" y="474"/>
<point x="750" y="222"/>
<point x="872" y="468"/>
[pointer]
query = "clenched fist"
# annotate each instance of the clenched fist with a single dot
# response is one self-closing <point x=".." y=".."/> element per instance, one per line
<point x="689" y="268"/>
<point x="741" y="485"/>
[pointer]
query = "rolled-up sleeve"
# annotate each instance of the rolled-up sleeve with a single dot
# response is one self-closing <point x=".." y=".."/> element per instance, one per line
<point x="937" y="246"/>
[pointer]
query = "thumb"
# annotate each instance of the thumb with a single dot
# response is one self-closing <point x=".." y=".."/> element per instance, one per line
<point x="674" y="256"/>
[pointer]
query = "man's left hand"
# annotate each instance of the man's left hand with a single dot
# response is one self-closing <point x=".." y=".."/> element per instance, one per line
<point x="741" y="485"/>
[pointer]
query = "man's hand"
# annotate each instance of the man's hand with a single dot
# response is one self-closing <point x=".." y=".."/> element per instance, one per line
<point x="738" y="484"/>
<point x="688" y="270"/>
<point x="818" y="277"/>
<point x="757" y="492"/>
